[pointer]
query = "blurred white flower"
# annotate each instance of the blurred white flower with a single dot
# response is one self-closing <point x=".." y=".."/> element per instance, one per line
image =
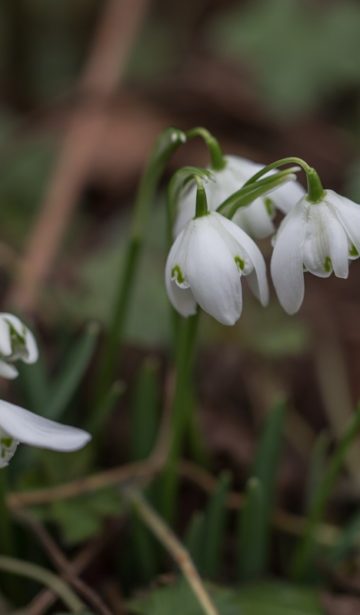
<point x="16" y="343"/>
<point x="317" y="237"/>
<point x="256" y="218"/>
<point x="18" y="425"/>
<point x="205" y="265"/>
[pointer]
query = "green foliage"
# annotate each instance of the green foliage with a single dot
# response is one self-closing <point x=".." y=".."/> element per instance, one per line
<point x="149" y="317"/>
<point x="304" y="557"/>
<point x="145" y="410"/>
<point x="301" y="52"/>
<point x="257" y="599"/>
<point x="250" y="548"/>
<point x="81" y="518"/>
<point x="255" y="519"/>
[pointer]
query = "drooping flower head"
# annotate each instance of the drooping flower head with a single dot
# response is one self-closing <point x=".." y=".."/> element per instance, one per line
<point x="18" y="425"/>
<point x="205" y="266"/>
<point x="317" y="237"/>
<point x="17" y="343"/>
<point x="256" y="218"/>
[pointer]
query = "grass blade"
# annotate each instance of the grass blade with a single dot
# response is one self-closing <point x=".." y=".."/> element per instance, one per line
<point x="76" y="364"/>
<point x="215" y="521"/>
<point x="305" y="552"/>
<point x="250" y="553"/>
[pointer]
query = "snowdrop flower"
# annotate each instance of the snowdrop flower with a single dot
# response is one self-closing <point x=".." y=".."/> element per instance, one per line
<point x="256" y="218"/>
<point x="317" y="237"/>
<point x="18" y="425"/>
<point x="205" y="265"/>
<point x="16" y="343"/>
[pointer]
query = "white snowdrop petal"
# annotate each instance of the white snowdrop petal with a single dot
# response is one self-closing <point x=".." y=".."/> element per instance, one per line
<point x="257" y="278"/>
<point x="212" y="273"/>
<point x="348" y="213"/>
<point x="287" y="261"/>
<point x="181" y="298"/>
<point x="254" y="219"/>
<point x="8" y="371"/>
<point x="316" y="241"/>
<point x="30" y="428"/>
<point x="286" y="196"/>
<point x="338" y="245"/>
<point x="5" y="338"/>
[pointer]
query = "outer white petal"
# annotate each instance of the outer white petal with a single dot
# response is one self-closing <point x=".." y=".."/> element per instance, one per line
<point x="257" y="278"/>
<point x="287" y="261"/>
<point x="8" y="371"/>
<point x="348" y="213"/>
<point x="181" y="298"/>
<point x="286" y="196"/>
<point x="254" y="219"/>
<point x="212" y="273"/>
<point x="30" y="428"/>
<point x="5" y="339"/>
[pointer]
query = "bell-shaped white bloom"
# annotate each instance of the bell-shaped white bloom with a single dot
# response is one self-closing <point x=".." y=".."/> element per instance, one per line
<point x="205" y="265"/>
<point x="16" y="343"/>
<point x="317" y="237"/>
<point x="18" y="425"/>
<point x="256" y="218"/>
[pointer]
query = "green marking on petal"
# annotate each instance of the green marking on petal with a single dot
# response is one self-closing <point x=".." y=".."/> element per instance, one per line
<point x="177" y="274"/>
<point x="328" y="264"/>
<point x="6" y="441"/>
<point x="240" y="263"/>
<point x="353" y="251"/>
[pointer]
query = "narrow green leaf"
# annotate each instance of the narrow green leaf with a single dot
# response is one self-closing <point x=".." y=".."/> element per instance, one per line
<point x="215" y="522"/>
<point x="70" y="377"/>
<point x="250" y="532"/>
<point x="98" y="421"/>
<point x="265" y="470"/>
<point x="305" y="553"/>
<point x="194" y="538"/>
<point x="145" y="407"/>
<point x="348" y="541"/>
<point x="34" y="383"/>
<point x="318" y="462"/>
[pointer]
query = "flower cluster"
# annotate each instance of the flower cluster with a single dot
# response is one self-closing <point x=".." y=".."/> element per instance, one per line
<point x="18" y="425"/>
<point x="319" y="233"/>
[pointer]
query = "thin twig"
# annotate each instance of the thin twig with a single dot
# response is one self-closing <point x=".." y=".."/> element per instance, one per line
<point x="46" y="598"/>
<point x="113" y="41"/>
<point x="37" y="573"/>
<point x="171" y="543"/>
<point x="62" y="563"/>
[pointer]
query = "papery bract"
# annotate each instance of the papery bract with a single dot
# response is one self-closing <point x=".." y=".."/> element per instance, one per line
<point x="205" y="266"/>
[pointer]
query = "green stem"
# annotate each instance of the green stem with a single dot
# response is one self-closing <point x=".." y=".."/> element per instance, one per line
<point x="201" y="200"/>
<point x="314" y="185"/>
<point x="304" y="554"/>
<point x="165" y="145"/>
<point x="32" y="571"/>
<point x="218" y="161"/>
<point x="6" y="528"/>
<point x="185" y="340"/>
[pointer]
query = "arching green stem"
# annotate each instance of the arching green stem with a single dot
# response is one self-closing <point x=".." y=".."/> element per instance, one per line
<point x="314" y="185"/>
<point x="218" y="161"/>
